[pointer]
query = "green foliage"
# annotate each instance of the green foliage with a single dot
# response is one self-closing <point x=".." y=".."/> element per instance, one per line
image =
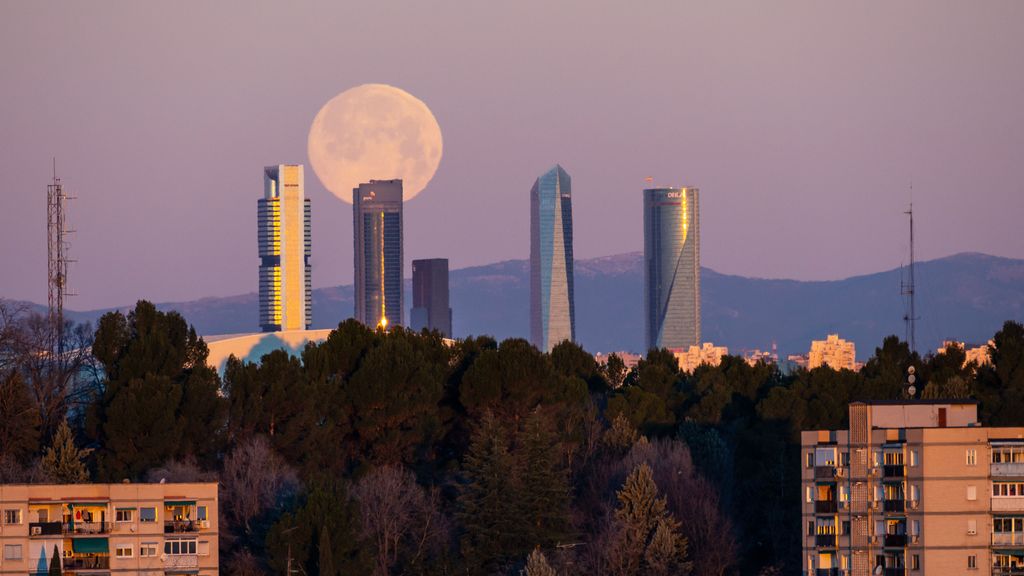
<point x="569" y="360"/>
<point x="544" y="485"/>
<point x="19" y="419"/>
<point x="64" y="462"/>
<point x="323" y="533"/>
<point x="160" y="399"/>
<point x="1000" y="386"/>
<point x="650" y="535"/>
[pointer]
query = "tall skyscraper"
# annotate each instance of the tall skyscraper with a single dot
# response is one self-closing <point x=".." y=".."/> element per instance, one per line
<point x="430" y="307"/>
<point x="672" y="268"/>
<point x="285" y="242"/>
<point x="552" y="314"/>
<point x="377" y="221"/>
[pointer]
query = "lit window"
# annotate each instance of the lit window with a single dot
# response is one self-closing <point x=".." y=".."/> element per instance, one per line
<point x="124" y="551"/>
<point x="12" y="516"/>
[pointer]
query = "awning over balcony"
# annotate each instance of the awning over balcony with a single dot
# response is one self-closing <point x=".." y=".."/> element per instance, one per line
<point x="87" y="504"/>
<point x="91" y="545"/>
<point x="175" y="503"/>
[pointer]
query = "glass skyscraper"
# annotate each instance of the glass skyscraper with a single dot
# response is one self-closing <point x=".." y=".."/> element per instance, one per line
<point x="430" y="307"/>
<point x="283" y="222"/>
<point x="672" y="268"/>
<point x="552" y="314"/>
<point x="377" y="222"/>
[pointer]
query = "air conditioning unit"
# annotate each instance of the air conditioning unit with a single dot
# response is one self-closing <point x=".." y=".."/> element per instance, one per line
<point x="972" y="532"/>
<point x="839" y="472"/>
<point x="204" y="523"/>
<point x="35" y="531"/>
<point x="874" y="539"/>
<point x="913" y="504"/>
<point x="873" y="471"/>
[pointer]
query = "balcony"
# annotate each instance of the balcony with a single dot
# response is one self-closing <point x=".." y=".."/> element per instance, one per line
<point x="895" y="540"/>
<point x="1007" y="469"/>
<point x="825" y="540"/>
<point x="826" y="572"/>
<point x="1007" y="571"/>
<point x="824" y="472"/>
<point x="86" y="563"/>
<point x="181" y="527"/>
<point x="180" y="561"/>
<point x="894" y="505"/>
<point x="825" y="507"/>
<point x="1008" y="538"/>
<point x="1008" y="504"/>
<point x="895" y="572"/>
<point x="45" y="529"/>
<point x="894" y="471"/>
<point x="87" y="528"/>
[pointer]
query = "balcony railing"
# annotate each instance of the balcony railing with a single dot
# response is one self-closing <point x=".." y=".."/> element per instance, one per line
<point x="895" y="572"/>
<point x="894" y="470"/>
<point x="825" y="540"/>
<point x="826" y="572"/>
<point x="825" y="506"/>
<point x="895" y="505"/>
<point x="87" y="527"/>
<point x="1008" y="538"/>
<point x="181" y="526"/>
<point x="1007" y="571"/>
<point x="1007" y="469"/>
<point x="824" y="472"/>
<point x="895" y="540"/>
<point x="181" y="561"/>
<point x="45" y="529"/>
<point x="87" y="563"/>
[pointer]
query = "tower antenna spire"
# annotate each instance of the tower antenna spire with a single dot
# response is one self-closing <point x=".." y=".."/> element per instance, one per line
<point x="907" y="287"/>
<point x="57" y="248"/>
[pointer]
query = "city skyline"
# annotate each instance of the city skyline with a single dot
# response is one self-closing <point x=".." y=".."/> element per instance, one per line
<point x="739" y="104"/>
<point x="431" y="307"/>
<point x="552" y="312"/>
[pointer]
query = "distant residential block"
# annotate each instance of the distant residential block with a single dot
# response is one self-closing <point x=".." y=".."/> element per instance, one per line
<point x="834" y="352"/>
<point x="109" y="528"/>
<point x="977" y="354"/>
<point x="912" y="488"/>
<point x="694" y="356"/>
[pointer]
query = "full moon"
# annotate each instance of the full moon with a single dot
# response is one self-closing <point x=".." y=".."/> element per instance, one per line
<point x="378" y="132"/>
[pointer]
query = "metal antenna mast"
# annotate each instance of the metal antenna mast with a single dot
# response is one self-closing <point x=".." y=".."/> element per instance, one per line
<point x="57" y="248"/>
<point x="907" y="287"/>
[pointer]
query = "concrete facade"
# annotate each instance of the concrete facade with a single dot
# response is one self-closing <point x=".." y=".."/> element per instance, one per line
<point x="109" y="529"/>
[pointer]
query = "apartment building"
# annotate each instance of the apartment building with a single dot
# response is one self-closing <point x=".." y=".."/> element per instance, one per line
<point x="834" y="352"/>
<point x="913" y="488"/>
<point x="707" y="353"/>
<point x="109" y="529"/>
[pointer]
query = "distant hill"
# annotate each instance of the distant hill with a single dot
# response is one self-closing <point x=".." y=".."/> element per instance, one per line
<point x="966" y="296"/>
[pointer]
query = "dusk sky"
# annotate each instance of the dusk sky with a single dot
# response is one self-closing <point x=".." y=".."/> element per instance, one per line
<point x="802" y="123"/>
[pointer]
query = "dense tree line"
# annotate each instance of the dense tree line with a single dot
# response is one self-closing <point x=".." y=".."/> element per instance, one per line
<point x="393" y="453"/>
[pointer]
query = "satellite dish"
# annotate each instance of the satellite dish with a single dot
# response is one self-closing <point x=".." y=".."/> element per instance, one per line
<point x="911" y="370"/>
<point x="912" y="390"/>
<point x="911" y="379"/>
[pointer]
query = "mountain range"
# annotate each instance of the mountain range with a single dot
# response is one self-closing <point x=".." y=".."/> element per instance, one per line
<point x="965" y="297"/>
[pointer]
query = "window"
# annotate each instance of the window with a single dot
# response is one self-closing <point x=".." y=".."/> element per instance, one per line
<point x="845" y="459"/>
<point x="12" y="516"/>
<point x="972" y="561"/>
<point x="183" y="547"/>
<point x="972" y="456"/>
<point x="124" y="551"/>
<point x="846" y="527"/>
<point x="1007" y="489"/>
<point x="810" y="494"/>
<point x="915" y="562"/>
<point x="915" y="527"/>
<point x="913" y="457"/>
<point x="147" y="514"/>
<point x="204" y="548"/>
<point x="810" y="527"/>
<point x="972" y="527"/>
<point x="914" y="496"/>
<point x="147" y="549"/>
<point x="125" y="515"/>
<point x="810" y="459"/>
<point x="972" y="492"/>
<point x="12" y="551"/>
<point x="201" y="513"/>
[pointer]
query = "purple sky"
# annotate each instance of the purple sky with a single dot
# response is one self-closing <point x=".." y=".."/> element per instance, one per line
<point x="803" y="123"/>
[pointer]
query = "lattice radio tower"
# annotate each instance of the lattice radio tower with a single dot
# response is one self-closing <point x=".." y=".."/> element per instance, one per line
<point x="907" y="288"/>
<point x="57" y="248"/>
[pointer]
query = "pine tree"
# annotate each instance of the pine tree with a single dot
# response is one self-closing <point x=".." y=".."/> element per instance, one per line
<point x="63" y="461"/>
<point x="487" y="500"/>
<point x="651" y="542"/>
<point x="326" y="563"/>
<point x="537" y="565"/>
<point x="544" y="487"/>
<point x="19" y="419"/>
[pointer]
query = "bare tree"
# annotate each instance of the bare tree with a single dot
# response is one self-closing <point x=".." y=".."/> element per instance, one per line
<point x="399" y="517"/>
<point x="184" y="470"/>
<point x="255" y="479"/>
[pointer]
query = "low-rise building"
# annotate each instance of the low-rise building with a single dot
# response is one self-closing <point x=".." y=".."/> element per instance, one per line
<point x="834" y="352"/>
<point x="913" y="488"/>
<point x="694" y="356"/>
<point x="109" y="529"/>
